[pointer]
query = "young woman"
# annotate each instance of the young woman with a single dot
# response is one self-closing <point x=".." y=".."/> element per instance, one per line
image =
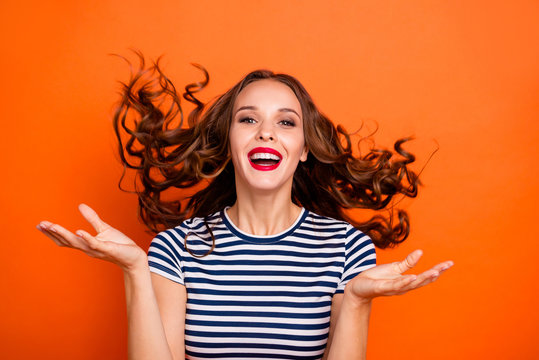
<point x="262" y="261"/>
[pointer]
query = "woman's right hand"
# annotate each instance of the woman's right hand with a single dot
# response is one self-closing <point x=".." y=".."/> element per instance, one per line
<point x="109" y="244"/>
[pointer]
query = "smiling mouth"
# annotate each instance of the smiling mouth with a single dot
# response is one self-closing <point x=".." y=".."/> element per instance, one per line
<point x="264" y="159"/>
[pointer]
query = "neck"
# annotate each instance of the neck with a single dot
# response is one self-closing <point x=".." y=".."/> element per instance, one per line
<point x="263" y="213"/>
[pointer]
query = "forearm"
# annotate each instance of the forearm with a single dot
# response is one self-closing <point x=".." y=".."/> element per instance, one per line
<point x="349" y="340"/>
<point x="146" y="335"/>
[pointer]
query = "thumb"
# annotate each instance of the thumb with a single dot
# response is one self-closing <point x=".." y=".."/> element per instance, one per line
<point x="103" y="247"/>
<point x="91" y="216"/>
<point x="410" y="261"/>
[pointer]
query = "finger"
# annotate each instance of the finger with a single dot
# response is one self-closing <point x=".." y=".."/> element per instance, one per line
<point x="408" y="263"/>
<point x="67" y="237"/>
<point x="405" y="281"/>
<point x="441" y="268"/>
<point x="57" y="237"/>
<point x="91" y="216"/>
<point x="396" y="286"/>
<point x="45" y="225"/>
<point x="90" y="243"/>
<point x="445" y="265"/>
<point x="83" y="236"/>
<point x="102" y="248"/>
<point x="428" y="276"/>
<point x="48" y="229"/>
<point x="423" y="279"/>
<point x="50" y="236"/>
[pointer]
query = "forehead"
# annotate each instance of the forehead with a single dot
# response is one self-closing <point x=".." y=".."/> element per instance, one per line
<point x="267" y="94"/>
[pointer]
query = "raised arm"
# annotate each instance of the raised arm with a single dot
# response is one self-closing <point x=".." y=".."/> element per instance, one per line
<point x="350" y="312"/>
<point x="146" y="330"/>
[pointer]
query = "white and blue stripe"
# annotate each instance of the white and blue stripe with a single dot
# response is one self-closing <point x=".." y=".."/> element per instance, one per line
<point x="260" y="297"/>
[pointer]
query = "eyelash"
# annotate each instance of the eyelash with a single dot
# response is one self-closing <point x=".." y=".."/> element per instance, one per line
<point x="250" y="120"/>
<point x="290" y="123"/>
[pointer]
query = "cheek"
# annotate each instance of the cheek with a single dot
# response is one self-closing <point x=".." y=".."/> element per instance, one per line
<point x="296" y="144"/>
<point x="232" y="137"/>
<point x="236" y="142"/>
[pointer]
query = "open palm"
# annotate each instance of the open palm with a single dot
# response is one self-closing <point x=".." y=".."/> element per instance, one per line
<point x="388" y="279"/>
<point x="108" y="244"/>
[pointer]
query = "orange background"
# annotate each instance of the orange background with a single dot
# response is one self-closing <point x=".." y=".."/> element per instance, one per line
<point x="464" y="74"/>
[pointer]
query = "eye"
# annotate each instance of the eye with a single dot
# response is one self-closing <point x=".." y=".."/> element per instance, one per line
<point x="287" y="122"/>
<point x="248" y="120"/>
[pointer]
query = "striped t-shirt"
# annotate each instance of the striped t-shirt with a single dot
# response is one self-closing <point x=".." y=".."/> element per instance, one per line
<point x="260" y="297"/>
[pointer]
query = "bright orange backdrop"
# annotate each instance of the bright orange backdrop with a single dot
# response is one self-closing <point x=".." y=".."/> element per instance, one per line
<point x="461" y="73"/>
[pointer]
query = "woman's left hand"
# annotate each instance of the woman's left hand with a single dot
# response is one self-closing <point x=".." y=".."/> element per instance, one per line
<point x="388" y="279"/>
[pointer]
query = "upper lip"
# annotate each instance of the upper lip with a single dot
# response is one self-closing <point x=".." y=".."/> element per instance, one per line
<point x="264" y="150"/>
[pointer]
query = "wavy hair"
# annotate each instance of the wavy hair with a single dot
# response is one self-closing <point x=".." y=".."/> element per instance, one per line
<point x="166" y="154"/>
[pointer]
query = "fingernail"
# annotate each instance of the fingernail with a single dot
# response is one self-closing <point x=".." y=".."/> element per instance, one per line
<point x="79" y="234"/>
<point x="52" y="229"/>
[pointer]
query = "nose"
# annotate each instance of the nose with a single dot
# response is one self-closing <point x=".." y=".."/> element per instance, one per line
<point x="265" y="132"/>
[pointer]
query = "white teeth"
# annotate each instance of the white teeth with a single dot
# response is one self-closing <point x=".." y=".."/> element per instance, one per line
<point x="265" y="156"/>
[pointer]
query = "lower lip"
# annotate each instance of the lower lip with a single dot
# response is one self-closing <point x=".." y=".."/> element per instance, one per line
<point x="264" y="167"/>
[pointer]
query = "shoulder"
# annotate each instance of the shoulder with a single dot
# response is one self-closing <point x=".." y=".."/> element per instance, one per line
<point x="315" y="220"/>
<point x="331" y="225"/>
<point x="353" y="238"/>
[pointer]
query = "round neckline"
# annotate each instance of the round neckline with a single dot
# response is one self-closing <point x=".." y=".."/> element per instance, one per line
<point x="263" y="239"/>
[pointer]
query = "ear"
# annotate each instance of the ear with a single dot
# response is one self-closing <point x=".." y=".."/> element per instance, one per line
<point x="304" y="154"/>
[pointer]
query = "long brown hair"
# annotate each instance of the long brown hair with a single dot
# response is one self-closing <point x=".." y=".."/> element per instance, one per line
<point x="166" y="154"/>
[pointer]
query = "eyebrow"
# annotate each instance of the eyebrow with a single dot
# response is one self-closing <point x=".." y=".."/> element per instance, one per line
<point x="255" y="108"/>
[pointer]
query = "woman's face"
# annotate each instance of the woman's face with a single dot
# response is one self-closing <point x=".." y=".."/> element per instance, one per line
<point x="266" y="136"/>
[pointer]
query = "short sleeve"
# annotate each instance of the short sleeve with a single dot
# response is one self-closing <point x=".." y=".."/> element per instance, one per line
<point x="360" y="255"/>
<point x="165" y="255"/>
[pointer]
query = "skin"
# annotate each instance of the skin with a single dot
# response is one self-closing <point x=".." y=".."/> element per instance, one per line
<point x="266" y="114"/>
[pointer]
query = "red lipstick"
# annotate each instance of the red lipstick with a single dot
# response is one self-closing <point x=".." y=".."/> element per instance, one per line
<point x="266" y="158"/>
